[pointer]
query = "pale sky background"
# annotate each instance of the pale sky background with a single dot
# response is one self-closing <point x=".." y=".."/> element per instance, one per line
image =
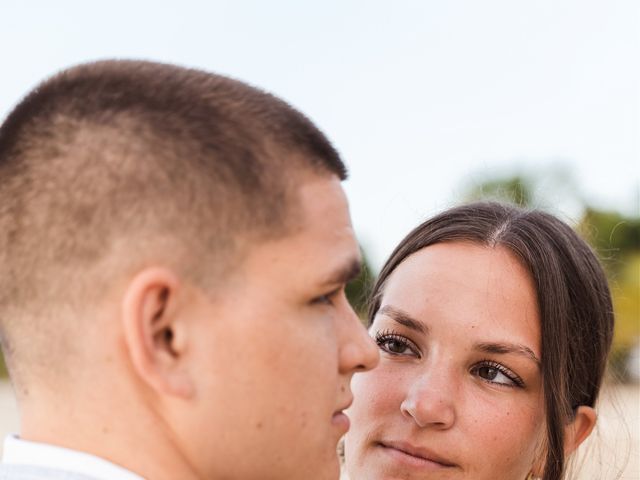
<point x="422" y="98"/>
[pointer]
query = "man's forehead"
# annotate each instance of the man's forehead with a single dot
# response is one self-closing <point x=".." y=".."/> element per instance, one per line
<point x="318" y="193"/>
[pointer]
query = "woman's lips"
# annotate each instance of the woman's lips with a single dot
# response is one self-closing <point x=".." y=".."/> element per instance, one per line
<point x="415" y="457"/>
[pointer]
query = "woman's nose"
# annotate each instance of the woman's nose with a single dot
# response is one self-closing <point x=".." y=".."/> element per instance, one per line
<point x="430" y="401"/>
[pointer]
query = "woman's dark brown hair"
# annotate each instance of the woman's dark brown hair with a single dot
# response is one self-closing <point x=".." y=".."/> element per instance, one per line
<point x="576" y="313"/>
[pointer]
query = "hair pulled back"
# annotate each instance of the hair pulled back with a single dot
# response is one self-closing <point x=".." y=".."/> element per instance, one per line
<point x="576" y="313"/>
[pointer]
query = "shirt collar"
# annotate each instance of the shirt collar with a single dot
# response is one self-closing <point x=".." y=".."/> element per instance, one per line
<point x="22" y="452"/>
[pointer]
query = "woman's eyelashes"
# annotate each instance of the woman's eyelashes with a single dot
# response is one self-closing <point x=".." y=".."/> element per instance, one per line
<point x="497" y="374"/>
<point x="395" y="344"/>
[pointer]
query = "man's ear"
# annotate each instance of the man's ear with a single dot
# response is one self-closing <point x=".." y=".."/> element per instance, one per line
<point x="155" y="333"/>
<point x="579" y="429"/>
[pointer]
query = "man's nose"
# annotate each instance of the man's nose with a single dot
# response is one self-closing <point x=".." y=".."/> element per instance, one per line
<point x="430" y="399"/>
<point x="358" y="352"/>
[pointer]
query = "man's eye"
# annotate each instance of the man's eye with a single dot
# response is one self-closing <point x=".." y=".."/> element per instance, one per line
<point x="496" y="373"/>
<point x="323" y="299"/>
<point x="326" y="299"/>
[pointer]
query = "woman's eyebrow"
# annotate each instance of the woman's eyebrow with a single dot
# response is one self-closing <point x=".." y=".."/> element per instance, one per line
<point x="502" y="348"/>
<point x="403" y="318"/>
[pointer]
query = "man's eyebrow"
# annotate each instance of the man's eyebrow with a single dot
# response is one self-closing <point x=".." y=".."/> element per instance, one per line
<point x="502" y="348"/>
<point x="403" y="318"/>
<point x="345" y="274"/>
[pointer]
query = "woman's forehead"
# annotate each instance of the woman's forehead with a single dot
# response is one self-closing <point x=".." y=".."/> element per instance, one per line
<point x="467" y="270"/>
<point x="485" y="291"/>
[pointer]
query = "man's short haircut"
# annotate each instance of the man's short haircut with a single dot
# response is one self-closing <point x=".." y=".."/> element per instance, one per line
<point x="138" y="157"/>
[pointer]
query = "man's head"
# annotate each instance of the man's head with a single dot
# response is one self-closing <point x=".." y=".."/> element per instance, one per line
<point x="180" y="241"/>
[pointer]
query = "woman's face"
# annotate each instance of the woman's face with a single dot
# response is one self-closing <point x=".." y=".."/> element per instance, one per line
<point x="458" y="392"/>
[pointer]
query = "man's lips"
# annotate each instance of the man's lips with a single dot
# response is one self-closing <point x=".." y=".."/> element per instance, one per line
<point x="340" y="419"/>
<point x="416" y="456"/>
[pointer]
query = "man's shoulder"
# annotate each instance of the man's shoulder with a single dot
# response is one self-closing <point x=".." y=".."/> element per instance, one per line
<point x="27" y="472"/>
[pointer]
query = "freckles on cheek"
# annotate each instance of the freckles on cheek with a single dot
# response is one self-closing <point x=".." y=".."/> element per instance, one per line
<point x="510" y="436"/>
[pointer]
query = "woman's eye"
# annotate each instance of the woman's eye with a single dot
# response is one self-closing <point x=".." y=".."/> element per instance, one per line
<point x="494" y="375"/>
<point x="395" y="344"/>
<point x="498" y="374"/>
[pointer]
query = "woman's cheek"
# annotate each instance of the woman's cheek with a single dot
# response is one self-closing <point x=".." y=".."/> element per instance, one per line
<point x="506" y="436"/>
<point x="378" y="392"/>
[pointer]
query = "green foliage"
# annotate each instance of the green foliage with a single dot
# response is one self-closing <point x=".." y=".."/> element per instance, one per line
<point x="3" y="367"/>
<point x="617" y="370"/>
<point x="616" y="238"/>
<point x="543" y="187"/>
<point x="516" y="189"/>
<point x="611" y="233"/>
<point x="625" y="288"/>
<point x="357" y="290"/>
